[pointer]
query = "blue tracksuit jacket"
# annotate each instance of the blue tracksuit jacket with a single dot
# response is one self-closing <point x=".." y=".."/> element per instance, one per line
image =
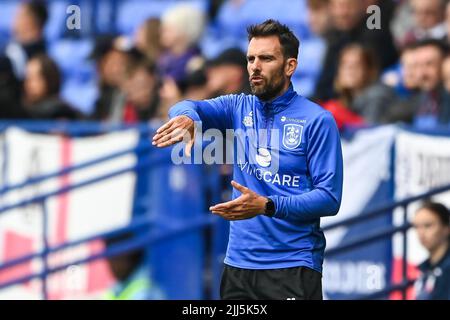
<point x="305" y="183"/>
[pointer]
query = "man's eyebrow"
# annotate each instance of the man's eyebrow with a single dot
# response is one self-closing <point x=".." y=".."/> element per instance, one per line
<point x="263" y="55"/>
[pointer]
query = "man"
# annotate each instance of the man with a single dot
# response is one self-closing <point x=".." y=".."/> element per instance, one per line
<point x="227" y="74"/>
<point x="429" y="106"/>
<point x="111" y="60"/>
<point x="28" y="31"/>
<point x="276" y="247"/>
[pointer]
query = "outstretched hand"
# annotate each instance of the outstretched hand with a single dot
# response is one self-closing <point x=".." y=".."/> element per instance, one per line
<point x="181" y="128"/>
<point x="248" y="205"/>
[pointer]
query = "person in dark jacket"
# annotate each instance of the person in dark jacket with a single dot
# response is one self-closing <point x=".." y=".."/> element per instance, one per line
<point x="28" y="35"/>
<point x="41" y="92"/>
<point x="432" y="223"/>
<point x="349" y="25"/>
<point x="10" y="92"/>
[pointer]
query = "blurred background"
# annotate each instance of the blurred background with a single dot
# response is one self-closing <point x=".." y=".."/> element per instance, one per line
<point x="90" y="210"/>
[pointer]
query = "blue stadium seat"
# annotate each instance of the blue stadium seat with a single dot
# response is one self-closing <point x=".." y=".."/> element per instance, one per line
<point x="56" y="24"/>
<point x="71" y="55"/>
<point x="80" y="94"/>
<point x="7" y="13"/>
<point x="131" y="13"/>
<point x="80" y="87"/>
<point x="234" y="19"/>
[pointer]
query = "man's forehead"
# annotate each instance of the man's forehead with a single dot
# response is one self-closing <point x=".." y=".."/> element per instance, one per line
<point x="264" y="45"/>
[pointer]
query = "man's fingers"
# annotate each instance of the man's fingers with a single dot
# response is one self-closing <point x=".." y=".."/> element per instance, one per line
<point x="188" y="148"/>
<point x="172" y="140"/>
<point x="166" y="125"/>
<point x="163" y="134"/>
<point x="230" y="205"/>
<point x="177" y="135"/>
<point x="241" y="188"/>
<point x="190" y="144"/>
<point x="233" y="216"/>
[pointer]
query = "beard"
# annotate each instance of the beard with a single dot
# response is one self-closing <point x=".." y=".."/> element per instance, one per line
<point x="268" y="90"/>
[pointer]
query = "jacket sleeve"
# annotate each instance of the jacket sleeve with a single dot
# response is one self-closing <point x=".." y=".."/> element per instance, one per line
<point x="213" y="113"/>
<point x="325" y="164"/>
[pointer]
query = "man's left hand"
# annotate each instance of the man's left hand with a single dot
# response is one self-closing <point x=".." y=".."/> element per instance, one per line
<point x="247" y="206"/>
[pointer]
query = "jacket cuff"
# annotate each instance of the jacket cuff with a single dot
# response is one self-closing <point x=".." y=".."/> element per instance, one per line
<point x="278" y="214"/>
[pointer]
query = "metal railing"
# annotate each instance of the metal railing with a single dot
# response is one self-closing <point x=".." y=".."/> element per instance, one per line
<point x="382" y="235"/>
<point x="165" y="231"/>
<point x="174" y="228"/>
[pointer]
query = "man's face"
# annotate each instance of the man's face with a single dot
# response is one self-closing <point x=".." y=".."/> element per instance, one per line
<point x="225" y="79"/>
<point x="319" y="19"/>
<point x="113" y="67"/>
<point x="427" y="13"/>
<point x="431" y="232"/>
<point x="25" y="27"/>
<point x="266" y="67"/>
<point x="140" y="88"/>
<point x="429" y="62"/>
<point x="346" y="14"/>
<point x="410" y="69"/>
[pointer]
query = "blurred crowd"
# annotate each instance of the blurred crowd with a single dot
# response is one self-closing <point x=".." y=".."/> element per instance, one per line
<point x="395" y="70"/>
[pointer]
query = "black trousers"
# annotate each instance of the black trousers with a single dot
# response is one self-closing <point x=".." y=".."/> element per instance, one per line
<point x="299" y="283"/>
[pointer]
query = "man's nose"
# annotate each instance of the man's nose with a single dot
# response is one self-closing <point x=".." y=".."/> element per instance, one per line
<point x="255" y="66"/>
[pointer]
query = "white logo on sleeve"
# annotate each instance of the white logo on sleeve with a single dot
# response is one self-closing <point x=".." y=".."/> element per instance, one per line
<point x="292" y="135"/>
<point x="263" y="158"/>
<point x="248" y="120"/>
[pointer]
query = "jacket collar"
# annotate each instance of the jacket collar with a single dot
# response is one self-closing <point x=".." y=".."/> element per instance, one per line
<point x="280" y="103"/>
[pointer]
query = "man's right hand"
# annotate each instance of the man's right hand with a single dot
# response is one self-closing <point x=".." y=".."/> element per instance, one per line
<point x="177" y="129"/>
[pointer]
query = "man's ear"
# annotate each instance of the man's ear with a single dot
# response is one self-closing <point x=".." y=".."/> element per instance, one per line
<point x="290" y="66"/>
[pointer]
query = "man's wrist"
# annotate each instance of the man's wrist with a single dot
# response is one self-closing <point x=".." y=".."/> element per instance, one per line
<point x="269" y="208"/>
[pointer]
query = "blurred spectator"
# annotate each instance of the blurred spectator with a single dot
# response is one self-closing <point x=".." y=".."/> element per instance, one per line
<point x="429" y="21"/>
<point x="433" y="230"/>
<point x="141" y="88"/>
<point x="404" y="78"/>
<point x="132" y="274"/>
<point x="402" y="22"/>
<point x="429" y="105"/>
<point x="193" y="87"/>
<point x="28" y="32"/>
<point x="10" y="92"/>
<point x="181" y="29"/>
<point x="446" y="73"/>
<point x="41" y="91"/>
<point x="147" y="39"/>
<point x="361" y="98"/>
<point x="447" y="23"/>
<point x="319" y="16"/>
<point x="227" y="73"/>
<point x="410" y="72"/>
<point x="432" y="105"/>
<point x="349" y="25"/>
<point x="111" y="61"/>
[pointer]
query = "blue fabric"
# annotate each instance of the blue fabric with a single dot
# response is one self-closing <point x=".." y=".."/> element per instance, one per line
<point x="434" y="281"/>
<point x="307" y="185"/>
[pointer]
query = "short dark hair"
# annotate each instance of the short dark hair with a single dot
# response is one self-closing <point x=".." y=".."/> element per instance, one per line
<point x="50" y="72"/>
<point x="39" y="11"/>
<point x="438" y="44"/>
<point x="289" y="42"/>
<point x="439" y="210"/>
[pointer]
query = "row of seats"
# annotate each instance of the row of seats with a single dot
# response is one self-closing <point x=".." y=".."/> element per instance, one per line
<point x="229" y="31"/>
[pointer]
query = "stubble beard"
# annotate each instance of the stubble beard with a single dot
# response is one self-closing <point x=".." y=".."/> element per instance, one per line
<point x="269" y="90"/>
